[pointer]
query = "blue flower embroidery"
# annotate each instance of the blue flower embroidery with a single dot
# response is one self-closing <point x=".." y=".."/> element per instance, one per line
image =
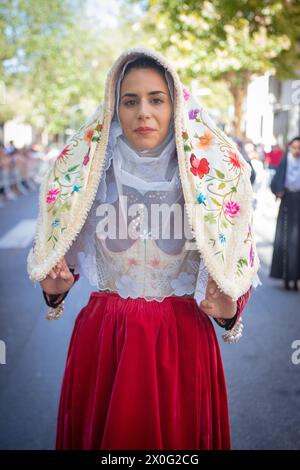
<point x="222" y="238"/>
<point x="55" y="223"/>
<point x="201" y="198"/>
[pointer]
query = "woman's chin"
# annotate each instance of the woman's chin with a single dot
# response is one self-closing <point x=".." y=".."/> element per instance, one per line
<point x="143" y="144"/>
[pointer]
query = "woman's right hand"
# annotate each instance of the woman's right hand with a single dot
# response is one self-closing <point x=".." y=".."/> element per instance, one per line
<point x="59" y="280"/>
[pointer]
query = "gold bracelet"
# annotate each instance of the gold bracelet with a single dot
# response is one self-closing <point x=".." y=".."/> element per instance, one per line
<point x="54" y="313"/>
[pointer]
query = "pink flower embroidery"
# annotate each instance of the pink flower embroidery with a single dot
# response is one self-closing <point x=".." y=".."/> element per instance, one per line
<point x="251" y="256"/>
<point x="63" y="154"/>
<point x="186" y="94"/>
<point x="232" y="208"/>
<point x="87" y="157"/>
<point x="52" y="195"/>
<point x="132" y="262"/>
<point x="155" y="262"/>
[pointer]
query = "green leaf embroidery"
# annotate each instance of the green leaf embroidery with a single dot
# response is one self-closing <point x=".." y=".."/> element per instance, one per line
<point x="210" y="218"/>
<point x="215" y="202"/>
<point x="220" y="174"/>
<point x="72" y="168"/>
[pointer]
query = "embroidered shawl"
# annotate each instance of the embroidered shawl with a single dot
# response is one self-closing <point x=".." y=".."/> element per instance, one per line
<point x="215" y="179"/>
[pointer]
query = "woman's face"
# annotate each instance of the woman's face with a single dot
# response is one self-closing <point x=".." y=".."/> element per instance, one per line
<point x="295" y="148"/>
<point x="145" y="102"/>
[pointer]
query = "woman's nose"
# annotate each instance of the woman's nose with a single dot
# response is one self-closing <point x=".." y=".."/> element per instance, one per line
<point x="144" y="109"/>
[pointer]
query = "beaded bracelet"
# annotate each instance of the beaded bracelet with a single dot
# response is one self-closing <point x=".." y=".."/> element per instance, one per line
<point x="56" y="301"/>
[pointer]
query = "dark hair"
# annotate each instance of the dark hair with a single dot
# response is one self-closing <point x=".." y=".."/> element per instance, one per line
<point x="146" y="63"/>
<point x="293" y="140"/>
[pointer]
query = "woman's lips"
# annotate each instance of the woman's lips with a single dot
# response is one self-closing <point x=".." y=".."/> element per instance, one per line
<point x="144" y="131"/>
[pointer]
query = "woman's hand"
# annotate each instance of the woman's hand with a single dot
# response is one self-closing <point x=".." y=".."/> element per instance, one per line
<point x="279" y="195"/>
<point x="59" y="280"/>
<point x="216" y="303"/>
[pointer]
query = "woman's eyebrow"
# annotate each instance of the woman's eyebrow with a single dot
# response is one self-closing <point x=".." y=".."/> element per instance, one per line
<point x="150" y="93"/>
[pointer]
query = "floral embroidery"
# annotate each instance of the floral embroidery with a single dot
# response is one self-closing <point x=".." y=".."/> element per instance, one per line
<point x="155" y="262"/>
<point x="232" y="208"/>
<point x="199" y="167"/>
<point x="97" y="132"/>
<point x="193" y="113"/>
<point x="63" y="154"/>
<point x="201" y="198"/>
<point x="133" y="262"/>
<point x="205" y="141"/>
<point x="241" y="262"/>
<point x="88" y="134"/>
<point x="215" y="188"/>
<point x="186" y="94"/>
<point x="251" y="256"/>
<point x="222" y="238"/>
<point x="234" y="160"/>
<point x="87" y="157"/>
<point x="52" y="195"/>
<point x="55" y="223"/>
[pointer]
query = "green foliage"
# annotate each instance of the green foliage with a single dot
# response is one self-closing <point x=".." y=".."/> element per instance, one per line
<point x="55" y="59"/>
<point x="226" y="40"/>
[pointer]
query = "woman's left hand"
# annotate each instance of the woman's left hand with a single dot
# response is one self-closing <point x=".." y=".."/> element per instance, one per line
<point x="216" y="303"/>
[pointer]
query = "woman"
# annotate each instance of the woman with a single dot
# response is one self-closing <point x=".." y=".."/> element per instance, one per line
<point x="144" y="369"/>
<point x="286" y="185"/>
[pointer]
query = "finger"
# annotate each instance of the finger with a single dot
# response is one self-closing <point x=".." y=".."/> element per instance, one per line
<point x="206" y="304"/>
<point x="207" y="311"/>
<point x="66" y="275"/>
<point x="64" y="265"/>
<point x="211" y="286"/>
<point x="56" y="268"/>
<point x="52" y="274"/>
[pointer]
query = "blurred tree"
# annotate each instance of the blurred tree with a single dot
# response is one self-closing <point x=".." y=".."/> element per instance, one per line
<point x="229" y="40"/>
<point x="56" y="58"/>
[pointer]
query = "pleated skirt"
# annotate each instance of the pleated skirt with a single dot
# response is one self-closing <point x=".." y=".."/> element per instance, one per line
<point x="143" y="375"/>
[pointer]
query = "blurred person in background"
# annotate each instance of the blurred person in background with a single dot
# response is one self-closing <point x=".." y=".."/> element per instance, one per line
<point x="10" y="149"/>
<point x="286" y="186"/>
<point x="7" y="162"/>
<point x="274" y="157"/>
<point x="261" y="177"/>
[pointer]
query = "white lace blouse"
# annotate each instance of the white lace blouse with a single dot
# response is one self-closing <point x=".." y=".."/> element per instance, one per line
<point x="148" y="265"/>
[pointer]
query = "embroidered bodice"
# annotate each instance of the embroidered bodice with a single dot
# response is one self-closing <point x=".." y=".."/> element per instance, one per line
<point x="134" y="261"/>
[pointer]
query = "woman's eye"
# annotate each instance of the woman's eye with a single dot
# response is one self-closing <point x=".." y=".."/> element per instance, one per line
<point x="131" y="102"/>
<point x="128" y="102"/>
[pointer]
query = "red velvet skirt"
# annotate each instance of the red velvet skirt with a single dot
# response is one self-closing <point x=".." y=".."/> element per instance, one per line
<point x="143" y="375"/>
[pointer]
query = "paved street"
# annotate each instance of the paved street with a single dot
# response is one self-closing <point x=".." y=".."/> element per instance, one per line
<point x="263" y="384"/>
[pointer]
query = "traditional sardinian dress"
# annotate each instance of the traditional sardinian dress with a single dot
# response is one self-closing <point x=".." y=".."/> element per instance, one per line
<point x="286" y="250"/>
<point x="144" y="369"/>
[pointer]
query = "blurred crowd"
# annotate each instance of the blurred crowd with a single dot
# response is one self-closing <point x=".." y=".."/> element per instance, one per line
<point x="21" y="170"/>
